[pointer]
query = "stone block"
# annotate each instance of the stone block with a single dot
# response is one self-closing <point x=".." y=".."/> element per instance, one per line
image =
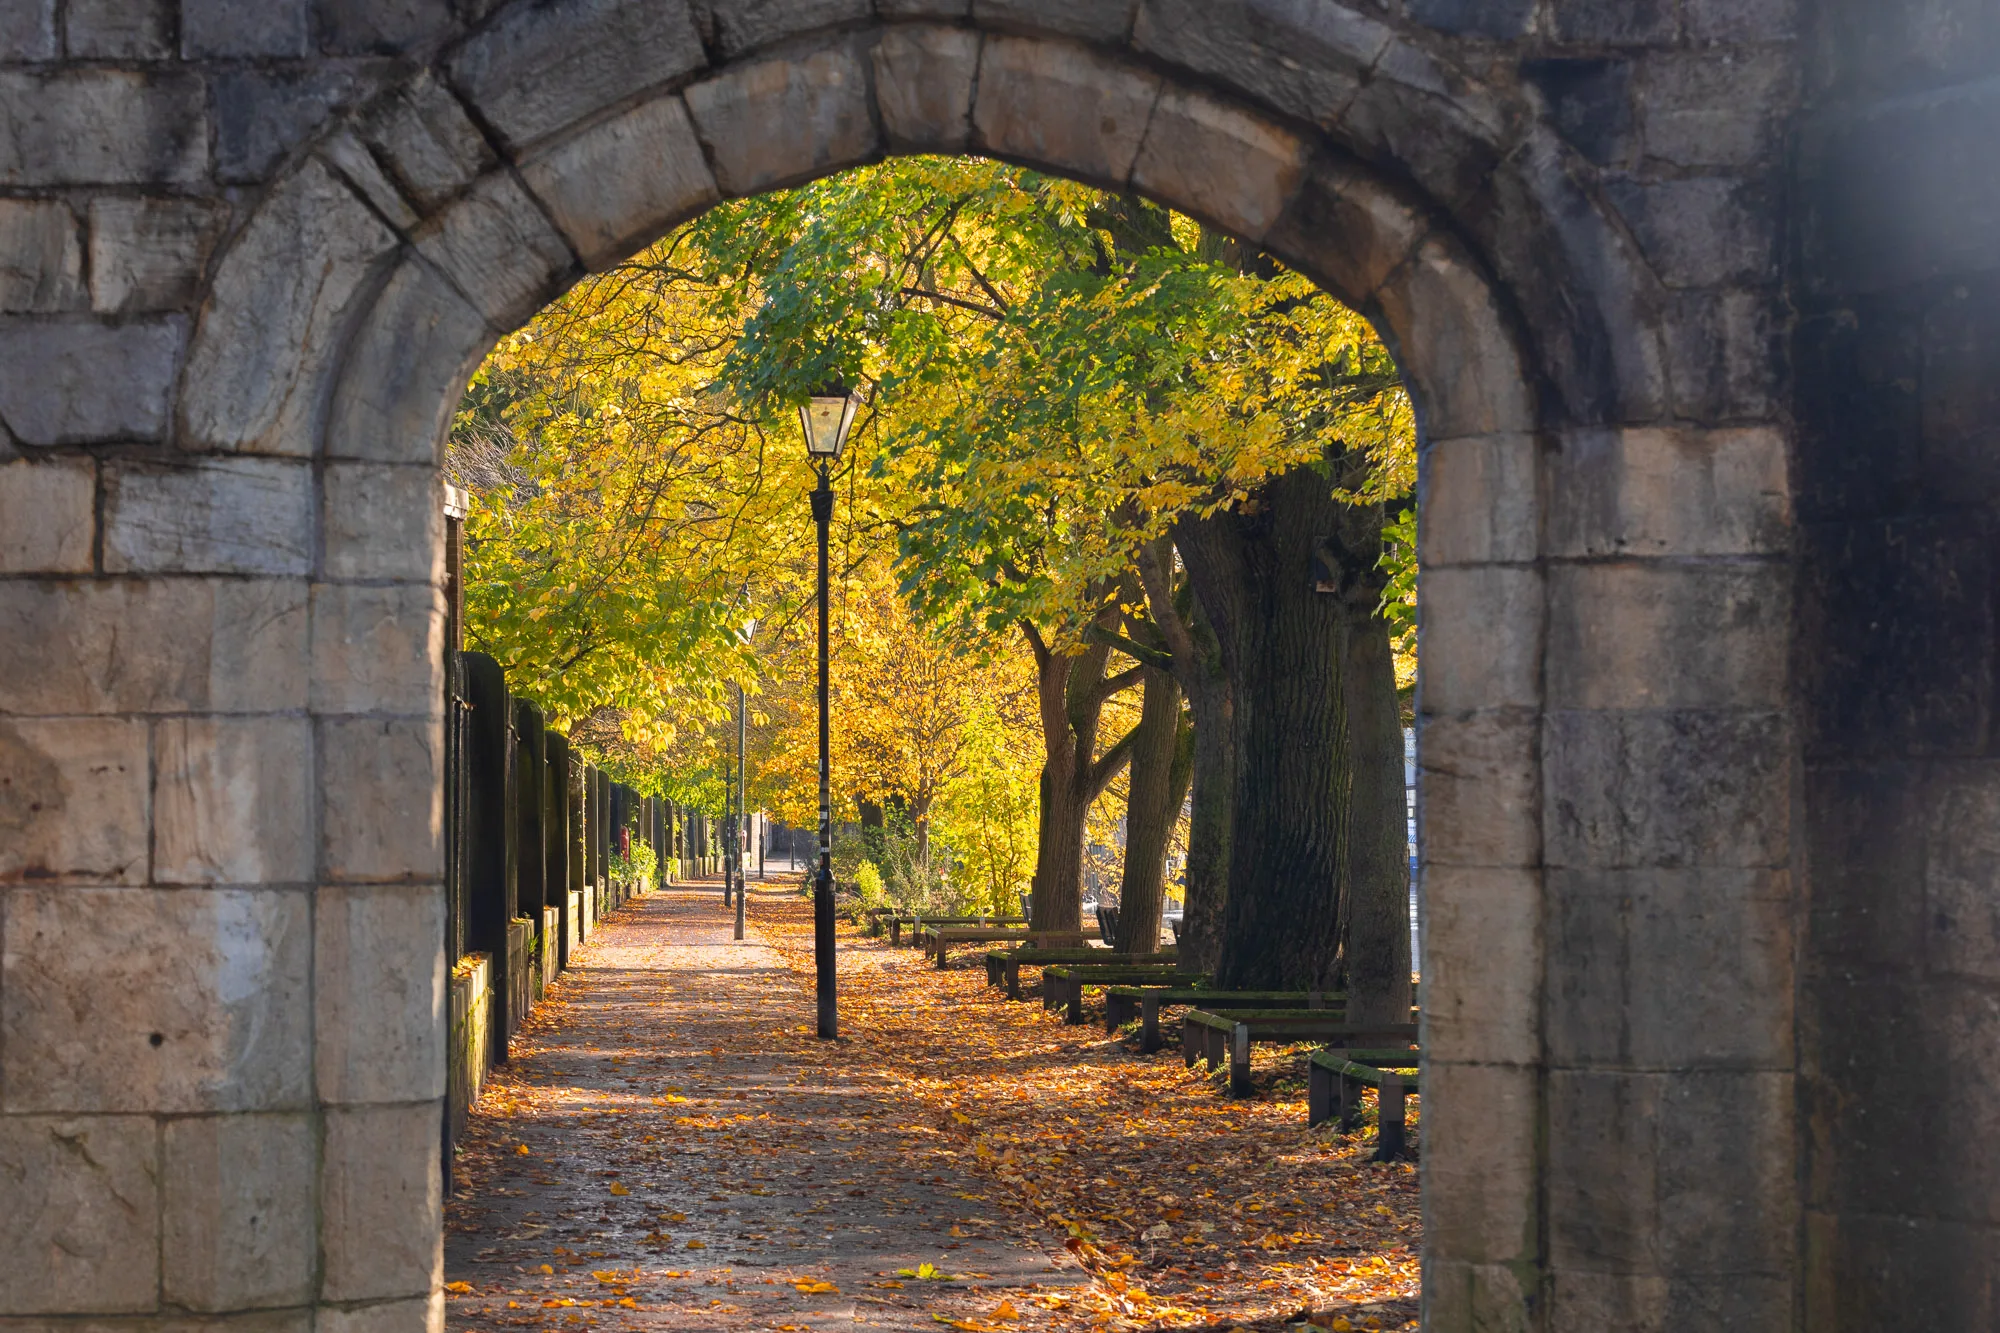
<point x="406" y="371"/>
<point x="496" y="246"/>
<point x="782" y="121"/>
<point x="1865" y="849"/>
<point x="263" y="113"/>
<point x="269" y="334"/>
<point x="1487" y="1297"/>
<point x="1702" y="231"/>
<point x="215" y="516"/>
<point x="421" y="1315"/>
<point x="1723" y="355"/>
<point x="59" y="389"/>
<point x="1483" y="965"/>
<point x="47" y="516"/>
<point x="1659" y="634"/>
<point x="1963" y="935"/>
<point x="72" y="801"/>
<point x="1583" y="1301"/>
<point x="382" y="522"/>
<point x="376" y="648"/>
<point x="743" y="26"/>
<point x="1589" y="101"/>
<point x="1867" y="1272"/>
<point x="239" y="1223"/>
<point x="1478" y="790"/>
<point x="1603" y="1170"/>
<point x="148" y="253"/>
<point x="230" y="801"/>
<point x="119" y="29"/>
<point x="381" y="815"/>
<point x="379" y="993"/>
<point x="1728" y="1172"/>
<point x="1626" y="942"/>
<point x="1478" y="501"/>
<point x="923" y="9"/>
<point x="1668" y="789"/>
<point x="1480" y="1161"/>
<point x="1482" y="634"/>
<point x="1219" y="163"/>
<point x="356" y="164"/>
<point x="540" y="68"/>
<point x="161" y="1000"/>
<point x="1741" y="20"/>
<point x="1062" y="108"/>
<point x="41" y="257"/>
<point x="1304" y="60"/>
<point x="82" y="1226"/>
<point x="1713" y="109"/>
<point x="1619" y="22"/>
<point x="426" y="141"/>
<point x="233" y="29"/>
<point x="1475" y="18"/>
<point x="1457" y="354"/>
<point x="382" y="1203"/>
<point x="1669" y="492"/>
<point x="28" y="30"/>
<point x="623" y="182"/>
<point x="1091" y="20"/>
<point x="1346" y="230"/>
<point x="382" y="27"/>
<point x="152" y="645"/>
<point x="102" y="127"/>
<point x="923" y="87"/>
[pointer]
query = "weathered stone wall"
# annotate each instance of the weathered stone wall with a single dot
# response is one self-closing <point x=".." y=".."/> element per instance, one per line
<point x="250" y="251"/>
<point x="1897" y="358"/>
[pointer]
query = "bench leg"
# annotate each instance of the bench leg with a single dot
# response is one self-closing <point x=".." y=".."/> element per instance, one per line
<point x="1239" y="1060"/>
<point x="992" y="972"/>
<point x="1149" y="1026"/>
<point x="1190" y="1043"/>
<point x="1319" y="1095"/>
<point x="1349" y="1099"/>
<point x="1389" y="1118"/>
<point x="1073" y="1012"/>
<point x="1013" y="979"/>
<point x="940" y="955"/>
<point x="895" y="934"/>
<point x="1116" y="1012"/>
<point x="1216" y="1044"/>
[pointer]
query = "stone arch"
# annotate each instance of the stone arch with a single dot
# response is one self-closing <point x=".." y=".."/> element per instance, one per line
<point x="342" y="319"/>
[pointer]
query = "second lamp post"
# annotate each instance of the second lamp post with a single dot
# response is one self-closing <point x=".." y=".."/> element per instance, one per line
<point x="826" y="418"/>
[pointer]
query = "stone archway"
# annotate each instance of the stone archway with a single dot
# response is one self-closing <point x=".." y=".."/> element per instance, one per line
<point x="1586" y="794"/>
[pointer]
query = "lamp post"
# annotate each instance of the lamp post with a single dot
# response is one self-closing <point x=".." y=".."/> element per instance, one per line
<point x="740" y="834"/>
<point x="825" y="418"/>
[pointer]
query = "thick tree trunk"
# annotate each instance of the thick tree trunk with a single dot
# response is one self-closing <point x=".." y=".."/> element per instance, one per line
<point x="1376" y="938"/>
<point x="1162" y="756"/>
<point x="1072" y="690"/>
<point x="1283" y="644"/>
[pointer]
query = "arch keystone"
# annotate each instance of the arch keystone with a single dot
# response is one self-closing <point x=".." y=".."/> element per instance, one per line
<point x="1063" y="107"/>
<point x="923" y="87"/>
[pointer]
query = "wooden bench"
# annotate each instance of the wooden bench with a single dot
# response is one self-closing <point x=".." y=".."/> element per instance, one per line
<point x="937" y="940"/>
<point x="1003" y="966"/>
<point x="1227" y="1037"/>
<point x="1121" y="1001"/>
<point x="1334" y="1079"/>
<point x="917" y="921"/>
<point x="1063" y="985"/>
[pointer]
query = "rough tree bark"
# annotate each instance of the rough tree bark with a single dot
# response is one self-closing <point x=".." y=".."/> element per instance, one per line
<point x="1375" y="948"/>
<point x="1162" y="760"/>
<point x="1196" y="661"/>
<point x="1072" y="690"/>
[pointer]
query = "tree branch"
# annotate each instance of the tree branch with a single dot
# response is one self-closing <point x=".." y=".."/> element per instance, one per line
<point x="1110" y="685"/>
<point x="1132" y="648"/>
<point x="1113" y="759"/>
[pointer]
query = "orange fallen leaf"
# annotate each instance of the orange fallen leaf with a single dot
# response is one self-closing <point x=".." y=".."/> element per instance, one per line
<point x="458" y="1288"/>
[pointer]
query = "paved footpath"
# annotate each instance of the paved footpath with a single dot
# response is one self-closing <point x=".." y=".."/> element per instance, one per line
<point x="669" y="1148"/>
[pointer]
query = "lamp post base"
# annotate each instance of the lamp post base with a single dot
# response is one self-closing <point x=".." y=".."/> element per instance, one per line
<point x="823" y="956"/>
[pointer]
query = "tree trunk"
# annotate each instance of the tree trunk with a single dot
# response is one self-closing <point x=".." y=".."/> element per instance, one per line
<point x="1161" y="760"/>
<point x="1072" y="690"/>
<point x="1376" y="938"/>
<point x="1283" y="645"/>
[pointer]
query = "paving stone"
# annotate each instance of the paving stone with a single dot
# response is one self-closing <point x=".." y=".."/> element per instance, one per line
<point x="161" y="1000"/>
<point x="228" y="29"/>
<point x="1483" y="638"/>
<point x="218" y="516"/>
<point x="55" y="393"/>
<point x="407" y="368"/>
<point x="73" y="801"/>
<point x="381" y="811"/>
<point x="782" y="121"/>
<point x="152" y="646"/>
<point x="1484" y="963"/>
<point x="82" y="1223"/>
<point x="427" y="142"/>
<point x="624" y="181"/>
<point x="119" y="29"/>
<point x="1303" y="60"/>
<point x="1220" y="163"/>
<point x="1654" y="492"/>
<point x="374" y="647"/>
<point x="497" y="247"/>
<point x="28" y="30"/>
<point x="382" y="522"/>
<point x="102" y="127"/>
<point x="1062" y="107"/>
<point x="541" y="68"/>
<point x="237" y="1204"/>
<point x="382" y="1203"/>
<point x="923" y="87"/>
<point x="742" y="26"/>
<point x="1478" y="501"/>
<point x="229" y="799"/>
<point x="379" y="992"/>
<point x="41" y="257"/>
<point x="273" y="319"/>
<point x="148" y="253"/>
<point x="47" y="516"/>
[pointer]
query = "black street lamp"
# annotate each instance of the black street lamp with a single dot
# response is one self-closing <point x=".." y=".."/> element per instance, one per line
<point x="741" y="835"/>
<point x="825" y="418"/>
